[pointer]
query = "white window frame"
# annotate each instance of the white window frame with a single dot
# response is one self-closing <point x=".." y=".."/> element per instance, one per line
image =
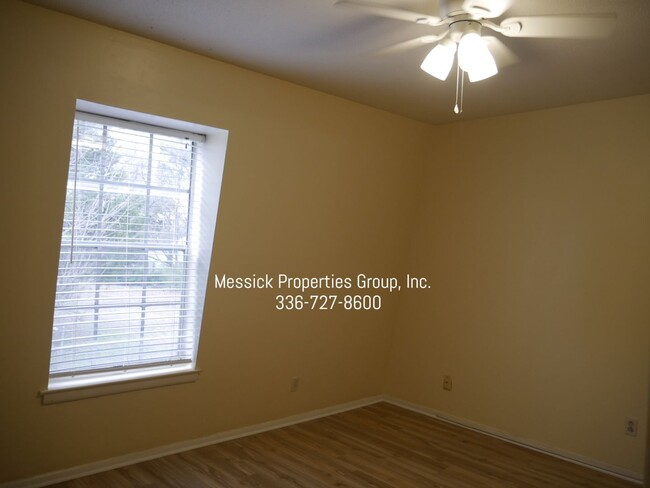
<point x="206" y="186"/>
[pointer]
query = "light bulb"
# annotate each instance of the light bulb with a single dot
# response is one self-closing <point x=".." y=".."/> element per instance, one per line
<point x="474" y="57"/>
<point x="438" y="62"/>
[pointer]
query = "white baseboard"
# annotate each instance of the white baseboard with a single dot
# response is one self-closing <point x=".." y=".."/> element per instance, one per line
<point x="138" y="457"/>
<point x="535" y="446"/>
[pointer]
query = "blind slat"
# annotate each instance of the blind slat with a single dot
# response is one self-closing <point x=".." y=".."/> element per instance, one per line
<point x="120" y="345"/>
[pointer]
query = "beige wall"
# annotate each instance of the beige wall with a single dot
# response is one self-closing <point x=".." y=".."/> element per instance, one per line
<point x="535" y="230"/>
<point x="646" y="476"/>
<point x="534" y="237"/>
<point x="313" y="185"/>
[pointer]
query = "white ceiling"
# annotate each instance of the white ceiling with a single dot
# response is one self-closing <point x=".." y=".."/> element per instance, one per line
<point x="338" y="50"/>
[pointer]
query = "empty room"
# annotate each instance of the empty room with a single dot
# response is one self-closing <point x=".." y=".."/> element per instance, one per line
<point x="325" y="243"/>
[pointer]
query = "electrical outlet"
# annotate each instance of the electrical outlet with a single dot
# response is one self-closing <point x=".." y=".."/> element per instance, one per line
<point x="295" y="384"/>
<point x="631" y="426"/>
<point x="446" y="383"/>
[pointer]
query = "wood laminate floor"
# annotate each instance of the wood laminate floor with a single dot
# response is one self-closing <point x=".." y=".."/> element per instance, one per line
<point x="382" y="446"/>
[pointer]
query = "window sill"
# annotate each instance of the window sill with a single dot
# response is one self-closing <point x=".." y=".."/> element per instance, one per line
<point x="120" y="384"/>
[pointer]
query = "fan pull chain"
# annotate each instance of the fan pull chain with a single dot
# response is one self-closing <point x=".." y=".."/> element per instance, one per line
<point x="460" y="81"/>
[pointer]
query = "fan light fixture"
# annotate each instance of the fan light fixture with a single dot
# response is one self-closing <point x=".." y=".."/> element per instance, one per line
<point x="439" y="61"/>
<point x="473" y="55"/>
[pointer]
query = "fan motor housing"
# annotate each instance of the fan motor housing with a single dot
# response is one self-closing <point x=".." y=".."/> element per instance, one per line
<point x="459" y="28"/>
<point x="454" y="8"/>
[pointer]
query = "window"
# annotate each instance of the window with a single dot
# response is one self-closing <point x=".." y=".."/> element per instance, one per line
<point x="140" y="215"/>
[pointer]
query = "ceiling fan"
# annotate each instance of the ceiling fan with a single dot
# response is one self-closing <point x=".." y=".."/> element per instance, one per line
<point x="460" y="26"/>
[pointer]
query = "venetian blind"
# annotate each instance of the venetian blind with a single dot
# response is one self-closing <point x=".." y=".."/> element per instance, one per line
<point x="127" y="296"/>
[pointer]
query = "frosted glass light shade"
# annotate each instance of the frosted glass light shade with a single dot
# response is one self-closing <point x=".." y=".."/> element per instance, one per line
<point x="475" y="58"/>
<point x="438" y="62"/>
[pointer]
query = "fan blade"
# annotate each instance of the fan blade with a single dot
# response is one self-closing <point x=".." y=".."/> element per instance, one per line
<point x="502" y="53"/>
<point x="411" y="44"/>
<point x="561" y="26"/>
<point x="390" y="12"/>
